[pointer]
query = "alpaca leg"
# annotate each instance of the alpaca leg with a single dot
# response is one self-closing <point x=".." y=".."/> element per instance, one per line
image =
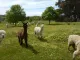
<point x="69" y="46"/>
<point x="75" y="54"/>
<point x="35" y="33"/>
<point x="73" y="45"/>
<point x="21" y="41"/>
<point x="41" y="34"/>
<point x="26" y="43"/>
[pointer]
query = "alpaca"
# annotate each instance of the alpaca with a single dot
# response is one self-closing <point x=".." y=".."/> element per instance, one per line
<point x="39" y="30"/>
<point x="2" y="34"/>
<point x="23" y="35"/>
<point x="77" y="51"/>
<point x="74" y="41"/>
<point x="7" y="25"/>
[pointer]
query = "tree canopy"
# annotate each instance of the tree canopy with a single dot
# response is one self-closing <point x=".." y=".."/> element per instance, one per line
<point x="15" y="14"/>
<point x="70" y="8"/>
<point x="49" y="14"/>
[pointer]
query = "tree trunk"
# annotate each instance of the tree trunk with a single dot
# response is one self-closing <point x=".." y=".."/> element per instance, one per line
<point x="49" y="22"/>
<point x="15" y="24"/>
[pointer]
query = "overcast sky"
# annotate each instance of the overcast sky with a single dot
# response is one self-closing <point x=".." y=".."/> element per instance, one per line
<point x="31" y="7"/>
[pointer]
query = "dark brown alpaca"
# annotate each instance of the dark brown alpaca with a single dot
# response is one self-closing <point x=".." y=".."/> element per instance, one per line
<point x="23" y="35"/>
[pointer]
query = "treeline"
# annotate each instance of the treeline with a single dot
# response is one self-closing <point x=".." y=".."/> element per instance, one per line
<point x="16" y="13"/>
<point x="71" y="9"/>
<point x="2" y="17"/>
<point x="33" y="18"/>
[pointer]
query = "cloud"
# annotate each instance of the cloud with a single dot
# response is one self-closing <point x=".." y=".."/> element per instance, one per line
<point x="31" y="7"/>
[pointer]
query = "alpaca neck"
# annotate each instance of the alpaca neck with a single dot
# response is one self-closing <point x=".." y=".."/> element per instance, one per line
<point x="25" y="30"/>
<point x="41" y="29"/>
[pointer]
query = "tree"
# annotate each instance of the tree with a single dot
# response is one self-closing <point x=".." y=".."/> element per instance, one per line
<point x="60" y="15"/>
<point x="2" y="17"/>
<point x="33" y="18"/>
<point x="49" y="14"/>
<point x="70" y="7"/>
<point x="15" y="14"/>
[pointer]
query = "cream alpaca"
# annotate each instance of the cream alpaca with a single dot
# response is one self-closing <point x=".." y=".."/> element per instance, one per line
<point x="39" y="30"/>
<point x="74" y="41"/>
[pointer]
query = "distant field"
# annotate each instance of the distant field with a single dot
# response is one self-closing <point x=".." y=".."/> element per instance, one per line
<point x="52" y="47"/>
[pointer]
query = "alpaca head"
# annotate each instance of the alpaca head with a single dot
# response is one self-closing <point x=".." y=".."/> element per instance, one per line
<point x="24" y="25"/>
<point x="2" y="36"/>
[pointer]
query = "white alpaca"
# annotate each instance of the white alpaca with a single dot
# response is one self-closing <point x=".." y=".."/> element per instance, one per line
<point x="39" y="30"/>
<point x="2" y="34"/>
<point x="74" y="41"/>
<point x="7" y="25"/>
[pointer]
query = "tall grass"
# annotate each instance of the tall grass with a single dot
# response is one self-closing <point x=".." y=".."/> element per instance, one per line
<point x="53" y="46"/>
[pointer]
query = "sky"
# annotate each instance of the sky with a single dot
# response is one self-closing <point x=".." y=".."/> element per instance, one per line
<point x="31" y="7"/>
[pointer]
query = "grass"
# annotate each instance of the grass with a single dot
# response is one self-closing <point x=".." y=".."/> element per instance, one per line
<point x="53" y="46"/>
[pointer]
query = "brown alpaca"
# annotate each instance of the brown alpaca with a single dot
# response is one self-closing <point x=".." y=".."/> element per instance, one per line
<point x="23" y="35"/>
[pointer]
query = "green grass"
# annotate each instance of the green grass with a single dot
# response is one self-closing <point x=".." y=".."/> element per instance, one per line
<point x="52" y="47"/>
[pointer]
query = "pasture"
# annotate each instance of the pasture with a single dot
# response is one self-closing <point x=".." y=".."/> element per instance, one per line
<point x="53" y="46"/>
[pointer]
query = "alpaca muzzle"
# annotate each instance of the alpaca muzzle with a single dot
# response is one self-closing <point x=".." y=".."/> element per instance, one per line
<point x="2" y="35"/>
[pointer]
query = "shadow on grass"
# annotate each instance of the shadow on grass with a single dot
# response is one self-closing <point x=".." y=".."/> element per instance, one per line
<point x="30" y="48"/>
<point x="43" y="40"/>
